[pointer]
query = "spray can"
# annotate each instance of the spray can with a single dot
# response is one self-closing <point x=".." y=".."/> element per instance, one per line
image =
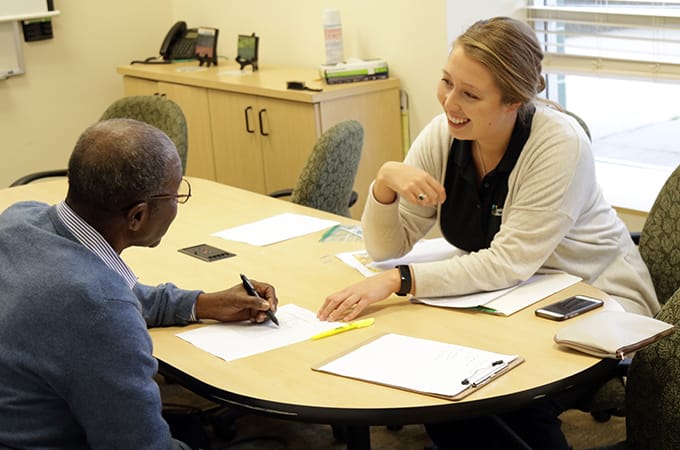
<point x="332" y="27"/>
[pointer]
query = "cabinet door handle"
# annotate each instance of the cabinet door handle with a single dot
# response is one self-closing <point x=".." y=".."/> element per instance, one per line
<point x="245" y="111"/>
<point x="262" y="111"/>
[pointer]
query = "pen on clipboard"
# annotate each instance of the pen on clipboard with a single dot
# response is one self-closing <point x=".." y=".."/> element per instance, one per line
<point x="251" y="291"/>
<point x="341" y="329"/>
<point x="477" y="378"/>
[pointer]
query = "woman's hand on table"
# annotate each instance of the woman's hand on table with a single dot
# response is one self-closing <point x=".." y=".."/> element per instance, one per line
<point x="347" y="304"/>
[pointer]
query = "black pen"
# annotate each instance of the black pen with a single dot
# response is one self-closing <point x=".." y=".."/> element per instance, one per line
<point x="476" y="383"/>
<point x="250" y="289"/>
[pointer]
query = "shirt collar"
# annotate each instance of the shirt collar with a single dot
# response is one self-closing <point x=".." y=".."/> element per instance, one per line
<point x="94" y="242"/>
<point x="520" y="135"/>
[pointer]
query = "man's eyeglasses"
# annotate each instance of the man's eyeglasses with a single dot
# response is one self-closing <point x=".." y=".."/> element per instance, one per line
<point x="183" y="193"/>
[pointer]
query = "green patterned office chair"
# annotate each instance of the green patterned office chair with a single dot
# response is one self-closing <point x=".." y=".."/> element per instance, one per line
<point x="156" y="110"/>
<point x="660" y="239"/>
<point x="653" y="391"/>
<point x="580" y="121"/>
<point x="659" y="244"/>
<point x="326" y="180"/>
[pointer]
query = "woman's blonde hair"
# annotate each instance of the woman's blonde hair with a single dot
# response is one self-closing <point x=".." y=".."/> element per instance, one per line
<point x="511" y="51"/>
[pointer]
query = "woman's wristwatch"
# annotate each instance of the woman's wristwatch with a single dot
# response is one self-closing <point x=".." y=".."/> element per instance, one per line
<point x="406" y="282"/>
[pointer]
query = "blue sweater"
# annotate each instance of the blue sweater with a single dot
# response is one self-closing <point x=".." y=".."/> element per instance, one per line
<point x="76" y="362"/>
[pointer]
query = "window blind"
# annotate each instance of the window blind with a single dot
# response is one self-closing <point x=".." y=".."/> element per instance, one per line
<point x="637" y="39"/>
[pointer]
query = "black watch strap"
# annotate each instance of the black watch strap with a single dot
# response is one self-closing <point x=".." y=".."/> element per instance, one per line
<point x="406" y="283"/>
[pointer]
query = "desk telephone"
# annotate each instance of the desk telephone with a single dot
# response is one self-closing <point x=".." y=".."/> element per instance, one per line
<point x="188" y="43"/>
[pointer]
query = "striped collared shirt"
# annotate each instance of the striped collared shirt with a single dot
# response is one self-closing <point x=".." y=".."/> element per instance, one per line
<point x="95" y="242"/>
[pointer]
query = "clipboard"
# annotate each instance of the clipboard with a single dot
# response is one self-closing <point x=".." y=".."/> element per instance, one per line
<point x="458" y="372"/>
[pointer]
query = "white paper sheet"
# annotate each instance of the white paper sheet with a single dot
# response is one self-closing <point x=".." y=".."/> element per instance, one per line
<point x="508" y="301"/>
<point x="423" y="251"/>
<point x="275" y="229"/>
<point x="231" y="341"/>
<point x="417" y="364"/>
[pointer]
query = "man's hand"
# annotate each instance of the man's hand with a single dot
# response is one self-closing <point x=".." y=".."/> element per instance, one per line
<point x="234" y="304"/>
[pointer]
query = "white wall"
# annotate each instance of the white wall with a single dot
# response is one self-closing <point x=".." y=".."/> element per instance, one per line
<point x="71" y="79"/>
<point x="459" y="15"/>
<point x="409" y="35"/>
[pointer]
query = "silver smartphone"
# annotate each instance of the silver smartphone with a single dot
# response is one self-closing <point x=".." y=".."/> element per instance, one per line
<point x="568" y="308"/>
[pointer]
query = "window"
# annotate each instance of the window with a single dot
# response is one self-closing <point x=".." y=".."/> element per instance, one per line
<point x="617" y="65"/>
<point x="627" y="38"/>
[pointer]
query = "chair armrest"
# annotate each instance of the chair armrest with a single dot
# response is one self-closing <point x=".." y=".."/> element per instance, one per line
<point x="635" y="235"/>
<point x="353" y="198"/>
<point x="281" y="193"/>
<point x="623" y="366"/>
<point x="288" y="192"/>
<point x="37" y="175"/>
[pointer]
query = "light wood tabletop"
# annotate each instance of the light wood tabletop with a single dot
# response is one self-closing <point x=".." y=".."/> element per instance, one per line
<point x="304" y="270"/>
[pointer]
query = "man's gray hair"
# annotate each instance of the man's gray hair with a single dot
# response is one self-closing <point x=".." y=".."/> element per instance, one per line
<point x="118" y="162"/>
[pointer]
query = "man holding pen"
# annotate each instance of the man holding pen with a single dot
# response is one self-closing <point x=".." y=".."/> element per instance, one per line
<point x="75" y="355"/>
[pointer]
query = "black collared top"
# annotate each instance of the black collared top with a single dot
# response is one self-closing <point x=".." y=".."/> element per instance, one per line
<point x="471" y="214"/>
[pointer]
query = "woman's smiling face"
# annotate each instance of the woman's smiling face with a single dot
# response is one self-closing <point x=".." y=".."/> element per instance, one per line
<point x="472" y="99"/>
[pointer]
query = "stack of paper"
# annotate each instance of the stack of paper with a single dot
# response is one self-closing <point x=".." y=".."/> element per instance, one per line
<point x="423" y="251"/>
<point x="421" y="365"/>
<point x="510" y="300"/>
<point x="503" y="301"/>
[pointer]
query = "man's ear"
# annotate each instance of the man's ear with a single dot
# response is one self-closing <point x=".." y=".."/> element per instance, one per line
<point x="137" y="216"/>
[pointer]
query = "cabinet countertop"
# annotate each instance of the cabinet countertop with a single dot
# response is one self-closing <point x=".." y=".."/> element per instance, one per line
<point x="269" y="81"/>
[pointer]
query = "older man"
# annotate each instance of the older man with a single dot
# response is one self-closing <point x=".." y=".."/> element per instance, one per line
<point x="76" y="360"/>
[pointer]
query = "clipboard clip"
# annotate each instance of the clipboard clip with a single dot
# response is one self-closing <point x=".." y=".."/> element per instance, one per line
<point x="481" y="374"/>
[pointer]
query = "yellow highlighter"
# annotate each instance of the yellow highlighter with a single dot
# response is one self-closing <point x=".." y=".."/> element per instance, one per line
<point x="350" y="326"/>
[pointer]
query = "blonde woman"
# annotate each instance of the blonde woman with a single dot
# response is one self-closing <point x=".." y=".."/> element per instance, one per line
<point x="509" y="179"/>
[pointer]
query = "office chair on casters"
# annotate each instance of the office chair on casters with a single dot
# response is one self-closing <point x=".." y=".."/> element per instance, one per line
<point x="659" y="244"/>
<point x="326" y="180"/>
<point x="156" y="110"/>
<point x="653" y="390"/>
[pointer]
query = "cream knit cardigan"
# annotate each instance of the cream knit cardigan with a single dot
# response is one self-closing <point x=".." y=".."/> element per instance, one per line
<point x="555" y="218"/>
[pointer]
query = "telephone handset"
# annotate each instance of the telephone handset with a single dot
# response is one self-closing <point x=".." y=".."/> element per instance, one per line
<point x="179" y="42"/>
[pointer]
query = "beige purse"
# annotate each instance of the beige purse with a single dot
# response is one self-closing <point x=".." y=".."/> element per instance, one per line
<point x="612" y="334"/>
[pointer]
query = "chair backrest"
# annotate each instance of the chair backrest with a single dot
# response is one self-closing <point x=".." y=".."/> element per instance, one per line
<point x="653" y="389"/>
<point x="155" y="110"/>
<point x="326" y="180"/>
<point x="581" y="122"/>
<point x="660" y="239"/>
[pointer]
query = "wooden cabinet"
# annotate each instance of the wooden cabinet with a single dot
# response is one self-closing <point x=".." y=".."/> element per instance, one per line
<point x="194" y="103"/>
<point x="260" y="143"/>
<point x="246" y="129"/>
